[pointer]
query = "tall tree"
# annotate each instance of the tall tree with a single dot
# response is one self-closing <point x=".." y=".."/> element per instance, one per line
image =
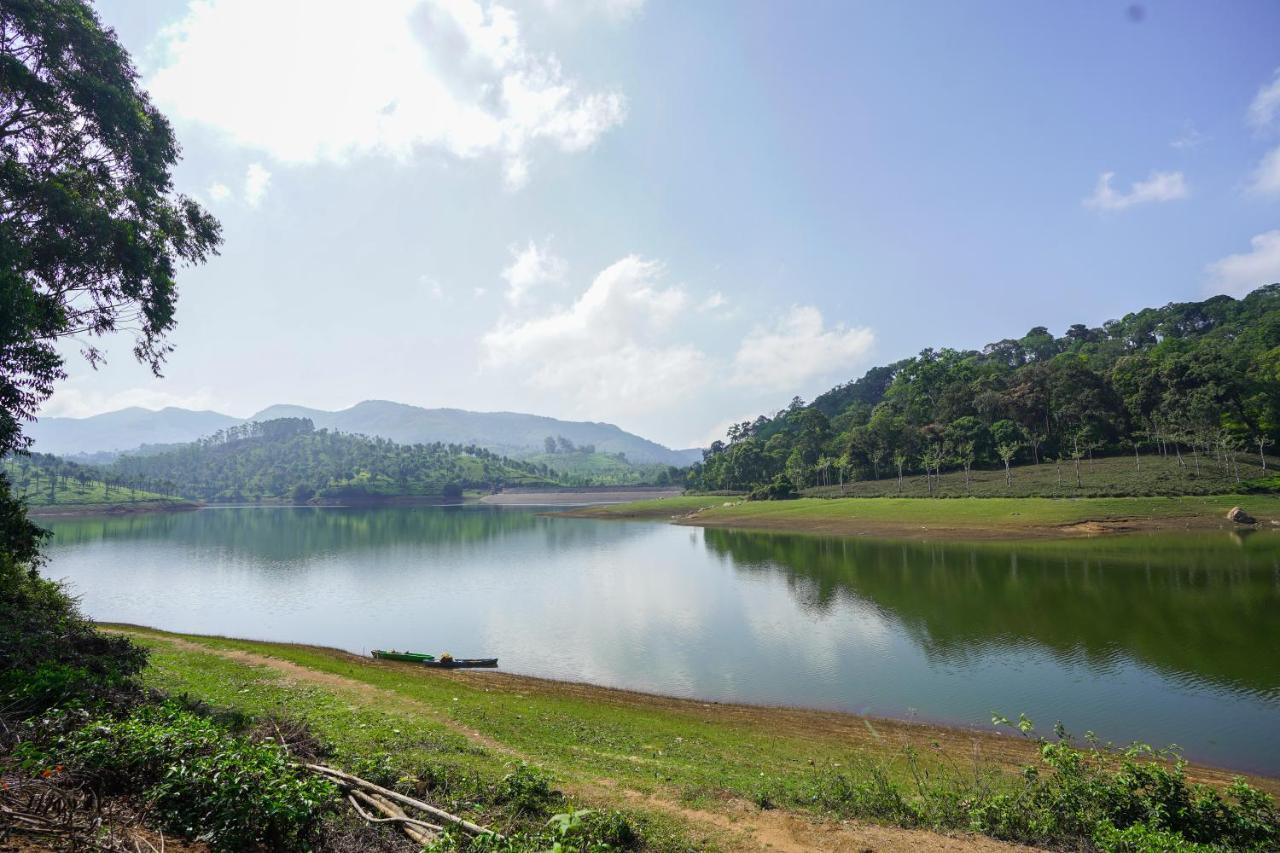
<point x="91" y="230"/>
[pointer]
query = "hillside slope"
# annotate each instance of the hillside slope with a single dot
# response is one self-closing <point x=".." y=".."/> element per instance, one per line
<point x="1189" y="381"/>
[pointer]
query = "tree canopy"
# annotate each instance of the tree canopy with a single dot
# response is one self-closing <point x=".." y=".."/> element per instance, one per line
<point x="91" y="231"/>
<point x="1196" y="374"/>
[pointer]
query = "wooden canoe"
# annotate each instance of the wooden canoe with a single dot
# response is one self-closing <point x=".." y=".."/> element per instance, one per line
<point x="408" y="657"/>
<point x="461" y="663"/>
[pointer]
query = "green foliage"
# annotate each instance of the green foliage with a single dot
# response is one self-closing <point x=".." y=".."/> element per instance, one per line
<point x="91" y="232"/>
<point x="780" y="489"/>
<point x="49" y="653"/>
<point x="526" y="791"/>
<point x="44" y="480"/>
<point x="287" y="460"/>
<point x="200" y="780"/>
<point x="1138" y="798"/>
<point x="1193" y="381"/>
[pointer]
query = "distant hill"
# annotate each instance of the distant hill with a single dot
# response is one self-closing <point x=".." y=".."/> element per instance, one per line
<point x="125" y="429"/>
<point x="509" y="433"/>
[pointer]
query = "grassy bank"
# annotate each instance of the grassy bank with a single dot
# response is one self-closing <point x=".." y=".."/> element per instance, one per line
<point x="684" y="774"/>
<point x="1151" y="474"/>
<point x="953" y="517"/>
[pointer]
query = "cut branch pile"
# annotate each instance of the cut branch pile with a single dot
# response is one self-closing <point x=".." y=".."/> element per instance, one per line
<point x="69" y="816"/>
<point x="390" y="804"/>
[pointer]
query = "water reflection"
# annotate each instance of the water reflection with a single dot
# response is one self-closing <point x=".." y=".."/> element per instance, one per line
<point x="1169" y="639"/>
<point x="1199" y="608"/>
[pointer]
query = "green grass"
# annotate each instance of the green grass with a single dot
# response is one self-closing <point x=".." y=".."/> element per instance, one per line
<point x="1103" y="477"/>
<point x="691" y="754"/>
<point x="461" y="739"/>
<point x="993" y="514"/>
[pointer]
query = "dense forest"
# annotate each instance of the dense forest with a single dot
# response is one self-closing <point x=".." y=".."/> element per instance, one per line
<point x="287" y="459"/>
<point x="1194" y="377"/>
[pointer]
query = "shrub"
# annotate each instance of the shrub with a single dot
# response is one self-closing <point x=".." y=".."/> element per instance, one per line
<point x="49" y="653"/>
<point x="200" y="780"/>
<point x="526" y="791"/>
<point x="1134" y="798"/>
<point x="781" y="489"/>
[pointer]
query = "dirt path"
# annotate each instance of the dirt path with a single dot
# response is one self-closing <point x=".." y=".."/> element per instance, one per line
<point x="740" y="824"/>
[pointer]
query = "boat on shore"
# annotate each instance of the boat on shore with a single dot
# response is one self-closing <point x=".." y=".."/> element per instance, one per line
<point x="461" y="663"/>
<point x="446" y="660"/>
<point x="407" y="657"/>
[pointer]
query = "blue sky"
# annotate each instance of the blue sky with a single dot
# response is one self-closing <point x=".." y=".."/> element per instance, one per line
<point x="674" y="215"/>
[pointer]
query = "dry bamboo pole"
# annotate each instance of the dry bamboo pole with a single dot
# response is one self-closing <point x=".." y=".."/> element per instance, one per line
<point x="394" y="814"/>
<point x="356" y="781"/>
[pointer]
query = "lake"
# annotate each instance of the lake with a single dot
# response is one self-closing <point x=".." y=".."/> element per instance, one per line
<point x="1168" y="639"/>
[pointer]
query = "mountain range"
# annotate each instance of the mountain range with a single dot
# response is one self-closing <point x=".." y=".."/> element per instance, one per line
<point x="510" y="433"/>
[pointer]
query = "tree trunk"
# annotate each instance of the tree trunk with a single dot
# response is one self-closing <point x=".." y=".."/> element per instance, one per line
<point x="1008" y="478"/>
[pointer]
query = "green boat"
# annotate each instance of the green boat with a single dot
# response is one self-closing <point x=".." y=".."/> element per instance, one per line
<point x="407" y="657"/>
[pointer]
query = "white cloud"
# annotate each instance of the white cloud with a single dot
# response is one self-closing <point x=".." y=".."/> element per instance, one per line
<point x="1237" y="275"/>
<point x="1266" y="103"/>
<point x="798" y="348"/>
<point x="714" y="301"/>
<point x="618" y="11"/>
<point x="531" y="267"/>
<point x="1266" y="178"/>
<point x="307" y="82"/>
<point x="1161" y="186"/>
<point x="219" y="191"/>
<point x="72" y="402"/>
<point x="610" y="351"/>
<point x="256" y="181"/>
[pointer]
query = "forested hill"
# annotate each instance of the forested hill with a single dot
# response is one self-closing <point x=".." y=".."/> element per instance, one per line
<point x="1202" y="375"/>
<point x="511" y="434"/>
<point x="289" y="460"/>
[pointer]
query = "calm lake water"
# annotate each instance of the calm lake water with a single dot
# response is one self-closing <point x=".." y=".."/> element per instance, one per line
<point x="1166" y="639"/>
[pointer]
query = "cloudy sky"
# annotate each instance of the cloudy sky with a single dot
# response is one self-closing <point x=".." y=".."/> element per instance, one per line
<point x="671" y="215"/>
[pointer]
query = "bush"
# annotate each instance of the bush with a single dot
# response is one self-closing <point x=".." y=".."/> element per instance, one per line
<point x="49" y="653"/>
<point x="526" y="791"/>
<point x="1139" y="797"/>
<point x="201" y="780"/>
<point x="781" y="489"/>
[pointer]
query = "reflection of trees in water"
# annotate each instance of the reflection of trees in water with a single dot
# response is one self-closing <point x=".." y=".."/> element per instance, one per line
<point x="293" y="534"/>
<point x="1202" y="607"/>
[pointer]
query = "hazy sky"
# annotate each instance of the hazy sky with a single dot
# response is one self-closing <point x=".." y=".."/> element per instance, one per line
<point x="670" y="215"/>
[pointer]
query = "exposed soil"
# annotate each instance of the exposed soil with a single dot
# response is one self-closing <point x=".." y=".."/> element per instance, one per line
<point x="853" y="525"/>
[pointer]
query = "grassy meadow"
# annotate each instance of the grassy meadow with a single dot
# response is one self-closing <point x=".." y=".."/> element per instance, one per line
<point x="958" y="517"/>
<point x="1111" y="476"/>
<point x="683" y="774"/>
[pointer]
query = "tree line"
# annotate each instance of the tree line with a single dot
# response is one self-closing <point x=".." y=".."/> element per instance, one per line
<point x="1187" y="380"/>
<point x="287" y="459"/>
